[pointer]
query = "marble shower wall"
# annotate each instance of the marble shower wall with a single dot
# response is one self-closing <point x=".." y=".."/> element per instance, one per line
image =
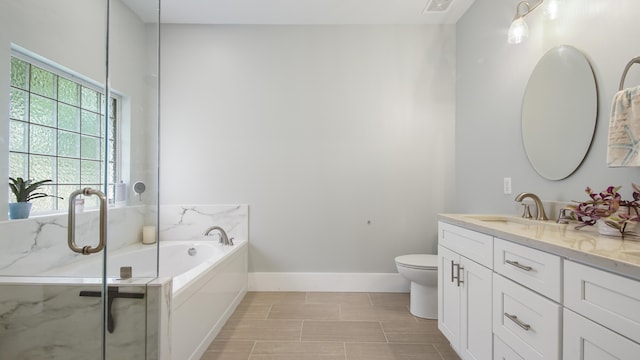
<point x="51" y="321"/>
<point x="32" y="246"/>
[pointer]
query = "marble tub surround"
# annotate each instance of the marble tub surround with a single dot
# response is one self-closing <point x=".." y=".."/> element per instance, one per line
<point x="33" y="246"/>
<point x="188" y="222"/>
<point x="586" y="245"/>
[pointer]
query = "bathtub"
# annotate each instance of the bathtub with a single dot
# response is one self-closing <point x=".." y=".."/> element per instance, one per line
<point x="208" y="282"/>
<point x="207" y="288"/>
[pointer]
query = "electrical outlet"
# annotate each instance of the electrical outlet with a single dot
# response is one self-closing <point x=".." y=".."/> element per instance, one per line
<point x="507" y="186"/>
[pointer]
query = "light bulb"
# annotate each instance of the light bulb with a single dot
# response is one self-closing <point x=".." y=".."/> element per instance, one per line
<point x="552" y="9"/>
<point x="518" y="31"/>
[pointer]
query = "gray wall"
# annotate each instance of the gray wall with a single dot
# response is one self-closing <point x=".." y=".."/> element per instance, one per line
<point x="319" y="129"/>
<point x="491" y="78"/>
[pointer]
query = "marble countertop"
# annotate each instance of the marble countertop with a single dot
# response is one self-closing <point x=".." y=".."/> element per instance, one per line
<point x="587" y="246"/>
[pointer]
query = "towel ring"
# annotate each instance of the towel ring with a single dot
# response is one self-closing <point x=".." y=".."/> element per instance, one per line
<point x="635" y="60"/>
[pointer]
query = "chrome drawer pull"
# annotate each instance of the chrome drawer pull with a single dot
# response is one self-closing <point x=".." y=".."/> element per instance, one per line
<point x="518" y="322"/>
<point x="518" y="265"/>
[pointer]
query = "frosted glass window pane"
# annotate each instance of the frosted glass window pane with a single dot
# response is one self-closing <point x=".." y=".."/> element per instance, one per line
<point x="42" y="140"/>
<point x="68" y="171"/>
<point x="68" y="117"/>
<point x="68" y="144"/>
<point x="112" y="153"/>
<point x="90" y="99"/>
<point x="68" y="91"/>
<point x="43" y="82"/>
<point x="90" y="148"/>
<point x="19" y="73"/>
<point x="90" y="172"/>
<point x="18" y="104"/>
<point x="90" y="123"/>
<point x="103" y="151"/>
<point x="17" y="136"/>
<point x="112" y="129"/>
<point x="112" y="173"/>
<point x="42" y="111"/>
<point x="45" y="203"/>
<point x="111" y="193"/>
<point x="18" y="165"/>
<point x="42" y="167"/>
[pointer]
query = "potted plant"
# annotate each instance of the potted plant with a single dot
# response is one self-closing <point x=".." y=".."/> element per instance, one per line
<point x="608" y="210"/>
<point x="24" y="191"/>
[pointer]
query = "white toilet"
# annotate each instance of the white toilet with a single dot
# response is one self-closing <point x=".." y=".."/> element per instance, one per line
<point x="422" y="271"/>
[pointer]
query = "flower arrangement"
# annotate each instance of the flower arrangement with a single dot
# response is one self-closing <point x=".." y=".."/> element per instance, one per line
<point x="609" y="207"/>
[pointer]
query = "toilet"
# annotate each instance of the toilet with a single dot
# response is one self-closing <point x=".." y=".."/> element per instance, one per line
<point x="422" y="271"/>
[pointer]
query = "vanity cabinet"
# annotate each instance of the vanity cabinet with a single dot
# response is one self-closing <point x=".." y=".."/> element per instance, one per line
<point x="499" y="299"/>
<point x="464" y="291"/>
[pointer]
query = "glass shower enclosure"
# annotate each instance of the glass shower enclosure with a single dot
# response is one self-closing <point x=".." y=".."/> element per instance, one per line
<point x="79" y="99"/>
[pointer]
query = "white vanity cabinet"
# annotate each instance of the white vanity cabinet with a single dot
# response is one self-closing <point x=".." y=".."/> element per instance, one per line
<point x="601" y="315"/>
<point x="464" y="290"/>
<point x="502" y="298"/>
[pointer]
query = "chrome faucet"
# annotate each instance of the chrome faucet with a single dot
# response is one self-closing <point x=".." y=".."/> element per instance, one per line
<point x="540" y="215"/>
<point x="224" y="239"/>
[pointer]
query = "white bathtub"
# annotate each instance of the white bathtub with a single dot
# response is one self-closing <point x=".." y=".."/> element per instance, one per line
<point x="209" y="281"/>
<point x="205" y="295"/>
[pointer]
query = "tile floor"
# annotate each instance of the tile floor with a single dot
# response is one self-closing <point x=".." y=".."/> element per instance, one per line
<point x="328" y="326"/>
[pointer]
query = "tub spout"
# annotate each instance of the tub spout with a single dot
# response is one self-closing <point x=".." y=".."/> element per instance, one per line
<point x="224" y="239"/>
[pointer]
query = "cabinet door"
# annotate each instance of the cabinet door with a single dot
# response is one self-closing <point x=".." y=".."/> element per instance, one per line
<point x="586" y="340"/>
<point x="526" y="321"/>
<point x="606" y="298"/>
<point x="475" y="300"/>
<point x="448" y="295"/>
<point x="502" y="352"/>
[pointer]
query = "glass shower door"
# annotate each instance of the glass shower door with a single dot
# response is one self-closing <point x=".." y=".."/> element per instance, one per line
<point x="82" y="105"/>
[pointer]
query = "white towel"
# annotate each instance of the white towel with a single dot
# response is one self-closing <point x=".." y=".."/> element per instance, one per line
<point x="624" y="129"/>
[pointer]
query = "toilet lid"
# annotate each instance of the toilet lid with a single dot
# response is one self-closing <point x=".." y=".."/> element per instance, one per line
<point x="418" y="261"/>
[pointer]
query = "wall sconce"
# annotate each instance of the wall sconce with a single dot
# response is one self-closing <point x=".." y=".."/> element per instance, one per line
<point x="519" y="29"/>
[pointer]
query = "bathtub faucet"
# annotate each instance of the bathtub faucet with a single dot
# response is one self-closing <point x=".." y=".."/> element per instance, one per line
<point x="224" y="239"/>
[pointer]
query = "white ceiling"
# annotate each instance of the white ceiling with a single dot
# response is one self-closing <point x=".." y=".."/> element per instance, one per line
<point x="310" y="11"/>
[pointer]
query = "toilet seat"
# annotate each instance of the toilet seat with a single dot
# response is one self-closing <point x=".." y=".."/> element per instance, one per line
<point x="418" y="261"/>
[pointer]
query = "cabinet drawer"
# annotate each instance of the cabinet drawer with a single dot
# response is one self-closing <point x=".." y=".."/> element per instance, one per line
<point x="503" y="352"/>
<point x="470" y="244"/>
<point x="609" y="299"/>
<point x="528" y="322"/>
<point x="584" y="339"/>
<point x="535" y="269"/>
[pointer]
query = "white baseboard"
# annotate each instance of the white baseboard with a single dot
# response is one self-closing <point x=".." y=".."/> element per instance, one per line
<point x="329" y="282"/>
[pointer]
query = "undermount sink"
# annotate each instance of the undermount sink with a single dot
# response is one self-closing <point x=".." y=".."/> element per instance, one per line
<point x="502" y="219"/>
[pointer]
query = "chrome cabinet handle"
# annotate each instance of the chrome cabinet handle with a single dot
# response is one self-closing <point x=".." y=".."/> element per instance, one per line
<point x="460" y="281"/>
<point x="452" y="276"/>
<point x="518" y="322"/>
<point x="456" y="277"/>
<point x="518" y="265"/>
<point x="71" y="238"/>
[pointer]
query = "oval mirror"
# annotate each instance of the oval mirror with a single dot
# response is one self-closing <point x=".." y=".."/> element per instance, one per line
<point x="559" y="112"/>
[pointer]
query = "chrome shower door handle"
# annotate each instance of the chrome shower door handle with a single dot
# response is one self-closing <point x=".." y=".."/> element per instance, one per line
<point x="71" y="238"/>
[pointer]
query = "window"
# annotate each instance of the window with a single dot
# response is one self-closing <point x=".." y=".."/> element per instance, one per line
<point x="57" y="131"/>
